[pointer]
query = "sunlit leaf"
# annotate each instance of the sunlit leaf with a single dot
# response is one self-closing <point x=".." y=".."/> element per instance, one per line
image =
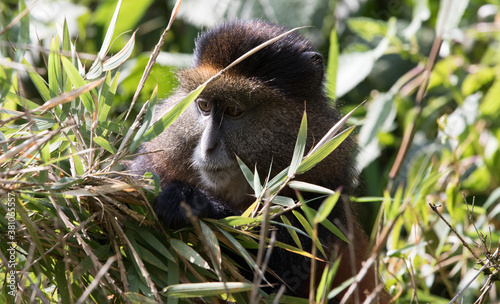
<point x="104" y="144"/>
<point x="189" y="253"/>
<point x="322" y="152"/>
<point x="307" y="187"/>
<point x="326" y="207"/>
<point x="168" y="118"/>
<point x="119" y="58"/>
<point x="300" y="146"/>
<point x="190" y="290"/>
<point x="333" y="61"/>
<point x="449" y="16"/>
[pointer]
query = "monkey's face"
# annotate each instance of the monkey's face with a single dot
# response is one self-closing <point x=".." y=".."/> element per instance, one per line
<point x="239" y="117"/>
<point x="211" y="157"/>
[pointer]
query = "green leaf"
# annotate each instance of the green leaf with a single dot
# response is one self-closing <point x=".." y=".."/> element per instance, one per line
<point x="275" y="183"/>
<point x="309" y="230"/>
<point x="109" y="33"/>
<point x="77" y="163"/>
<point x="300" y="146"/>
<point x="213" y="245"/>
<point x="38" y="81"/>
<point x="256" y="182"/>
<point x="241" y="250"/>
<point x="206" y="289"/>
<point x="292" y="232"/>
<point x="421" y="13"/>
<point x="173" y="276"/>
<point x="307" y="187"/>
<point x="355" y="67"/>
<point x="151" y="258"/>
<point x="64" y="182"/>
<point x="238" y="220"/>
<point x="23" y="102"/>
<point x="283" y="201"/>
<point x="23" y="35"/>
<point x="326" y="207"/>
<point x="490" y="105"/>
<point x="367" y="28"/>
<point x="379" y="118"/>
<point x="66" y="41"/>
<point x="148" y="120"/>
<point x="449" y="16"/>
<point x="105" y="99"/>
<point x="333" y="61"/>
<point x="105" y="144"/>
<point x="326" y="280"/>
<point x="77" y="81"/>
<point x="151" y="240"/>
<point x="321" y="153"/>
<point x="246" y="172"/>
<point x="337" y="290"/>
<point x="133" y="297"/>
<point x="168" y="118"/>
<point x="62" y="282"/>
<point x="189" y="253"/>
<point x="120" y="57"/>
<point x="481" y="78"/>
<point x="54" y="66"/>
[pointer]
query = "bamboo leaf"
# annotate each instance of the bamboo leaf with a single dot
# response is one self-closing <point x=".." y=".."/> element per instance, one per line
<point x="148" y="120"/>
<point x="246" y="172"/>
<point x="238" y="220"/>
<point x="333" y="61"/>
<point x="66" y="41"/>
<point x="38" y="81"/>
<point x="168" y="118"/>
<point x="322" y="152"/>
<point x="105" y="144"/>
<point x="292" y="232"/>
<point x="189" y="253"/>
<point x="256" y="183"/>
<point x="120" y="57"/>
<point x="206" y="289"/>
<point x="153" y="241"/>
<point x="307" y="187"/>
<point x="326" y="207"/>
<point x="54" y="66"/>
<point x="449" y="16"/>
<point x="213" y="245"/>
<point x="241" y="250"/>
<point x="300" y="146"/>
<point x="77" y="81"/>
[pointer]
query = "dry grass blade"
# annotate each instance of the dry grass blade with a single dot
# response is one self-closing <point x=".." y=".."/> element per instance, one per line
<point x="18" y="18"/>
<point x="152" y="58"/>
<point x="58" y="100"/>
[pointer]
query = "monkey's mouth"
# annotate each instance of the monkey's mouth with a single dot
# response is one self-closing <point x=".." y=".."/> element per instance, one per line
<point x="218" y="170"/>
<point x="217" y="177"/>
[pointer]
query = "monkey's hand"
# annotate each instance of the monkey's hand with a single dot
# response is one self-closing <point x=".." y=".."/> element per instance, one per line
<point x="170" y="212"/>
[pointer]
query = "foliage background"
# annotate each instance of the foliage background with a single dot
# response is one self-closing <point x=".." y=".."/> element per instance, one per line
<point x="453" y="156"/>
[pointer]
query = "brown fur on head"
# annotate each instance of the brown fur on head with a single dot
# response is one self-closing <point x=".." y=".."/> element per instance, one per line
<point x="274" y="86"/>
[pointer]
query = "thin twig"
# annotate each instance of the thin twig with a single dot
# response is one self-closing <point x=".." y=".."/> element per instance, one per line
<point x="18" y="18"/>
<point x="464" y="242"/>
<point x="152" y="59"/>
<point x="408" y="136"/>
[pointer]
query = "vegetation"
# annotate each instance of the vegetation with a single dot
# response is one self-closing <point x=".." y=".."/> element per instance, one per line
<point x="76" y="228"/>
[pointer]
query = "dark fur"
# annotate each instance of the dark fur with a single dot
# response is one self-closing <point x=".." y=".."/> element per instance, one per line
<point x="274" y="86"/>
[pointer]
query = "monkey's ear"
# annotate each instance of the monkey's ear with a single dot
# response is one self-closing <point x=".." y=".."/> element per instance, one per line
<point x="314" y="57"/>
<point x="316" y="63"/>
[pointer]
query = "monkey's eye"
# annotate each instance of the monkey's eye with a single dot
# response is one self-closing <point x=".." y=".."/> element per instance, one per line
<point x="233" y="111"/>
<point x="204" y="105"/>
